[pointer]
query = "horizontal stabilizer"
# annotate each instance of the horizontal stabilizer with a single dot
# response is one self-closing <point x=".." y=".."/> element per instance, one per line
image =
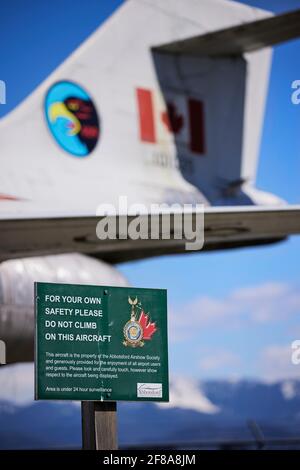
<point x="223" y="228"/>
<point x="246" y="37"/>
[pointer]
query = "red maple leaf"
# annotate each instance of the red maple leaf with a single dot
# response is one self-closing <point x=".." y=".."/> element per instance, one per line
<point x="172" y="119"/>
<point x="148" y="328"/>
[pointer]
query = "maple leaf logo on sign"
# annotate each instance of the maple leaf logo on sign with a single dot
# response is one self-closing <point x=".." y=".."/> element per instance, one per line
<point x="136" y="332"/>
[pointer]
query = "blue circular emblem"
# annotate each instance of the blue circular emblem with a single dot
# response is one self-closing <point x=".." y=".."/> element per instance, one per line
<point x="133" y="331"/>
<point x="72" y="118"/>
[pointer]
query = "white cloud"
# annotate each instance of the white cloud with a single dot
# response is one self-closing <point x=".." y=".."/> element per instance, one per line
<point x="289" y="389"/>
<point x="218" y="360"/>
<point x="259" y="304"/>
<point x="17" y="383"/>
<point x="275" y="364"/>
<point x="185" y="393"/>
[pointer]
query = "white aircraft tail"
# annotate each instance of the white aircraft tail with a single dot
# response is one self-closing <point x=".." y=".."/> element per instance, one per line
<point x="155" y="105"/>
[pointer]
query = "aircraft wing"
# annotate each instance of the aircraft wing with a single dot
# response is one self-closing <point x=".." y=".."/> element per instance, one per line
<point x="224" y="227"/>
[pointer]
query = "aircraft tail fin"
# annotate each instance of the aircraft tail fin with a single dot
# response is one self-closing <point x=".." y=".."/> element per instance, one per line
<point x="120" y="117"/>
<point x="212" y="69"/>
<point x="247" y="37"/>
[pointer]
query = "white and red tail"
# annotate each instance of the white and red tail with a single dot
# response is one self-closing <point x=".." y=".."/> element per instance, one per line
<point x="152" y="106"/>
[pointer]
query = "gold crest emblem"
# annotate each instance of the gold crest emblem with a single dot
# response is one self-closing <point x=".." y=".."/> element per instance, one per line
<point x="136" y="331"/>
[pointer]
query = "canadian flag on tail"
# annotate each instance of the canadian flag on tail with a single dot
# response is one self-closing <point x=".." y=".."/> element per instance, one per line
<point x="181" y="117"/>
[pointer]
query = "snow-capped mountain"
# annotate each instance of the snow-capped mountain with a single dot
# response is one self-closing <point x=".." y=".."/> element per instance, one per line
<point x="198" y="411"/>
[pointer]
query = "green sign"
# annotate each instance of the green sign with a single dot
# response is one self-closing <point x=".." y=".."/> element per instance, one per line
<point x="100" y="343"/>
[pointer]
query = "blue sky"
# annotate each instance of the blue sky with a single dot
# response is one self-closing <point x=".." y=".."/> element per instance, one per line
<point x="232" y="313"/>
